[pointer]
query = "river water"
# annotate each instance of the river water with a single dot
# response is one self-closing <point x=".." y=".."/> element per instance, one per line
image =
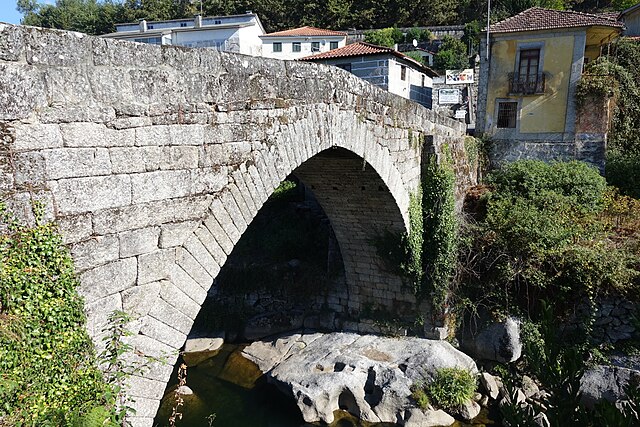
<point x="230" y="391"/>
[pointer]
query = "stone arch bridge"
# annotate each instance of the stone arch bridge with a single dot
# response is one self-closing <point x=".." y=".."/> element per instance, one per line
<point x="153" y="161"/>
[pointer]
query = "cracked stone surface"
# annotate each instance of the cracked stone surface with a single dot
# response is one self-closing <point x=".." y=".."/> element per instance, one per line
<point x="368" y="376"/>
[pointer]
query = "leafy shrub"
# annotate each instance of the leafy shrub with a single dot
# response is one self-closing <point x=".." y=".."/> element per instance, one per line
<point x="385" y="37"/>
<point x="452" y="55"/>
<point x="451" y="388"/>
<point x="47" y="364"/>
<point x="548" y="231"/>
<point x="622" y="170"/>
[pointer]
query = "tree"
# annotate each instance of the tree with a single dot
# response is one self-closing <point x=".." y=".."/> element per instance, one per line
<point x="452" y="55"/>
<point x="385" y="37"/>
<point x="87" y="16"/>
<point x="421" y="35"/>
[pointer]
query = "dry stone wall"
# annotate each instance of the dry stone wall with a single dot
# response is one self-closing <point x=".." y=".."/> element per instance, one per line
<point x="153" y="161"/>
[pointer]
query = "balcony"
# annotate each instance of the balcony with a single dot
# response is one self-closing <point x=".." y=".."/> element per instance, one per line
<point x="530" y="84"/>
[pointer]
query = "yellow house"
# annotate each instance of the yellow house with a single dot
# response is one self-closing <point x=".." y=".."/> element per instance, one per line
<point x="528" y="79"/>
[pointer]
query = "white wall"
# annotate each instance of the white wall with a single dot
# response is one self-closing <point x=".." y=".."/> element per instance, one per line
<point x="305" y="46"/>
<point x="250" y="43"/>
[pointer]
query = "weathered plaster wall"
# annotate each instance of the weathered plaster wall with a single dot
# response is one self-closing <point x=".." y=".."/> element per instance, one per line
<point x="153" y="161"/>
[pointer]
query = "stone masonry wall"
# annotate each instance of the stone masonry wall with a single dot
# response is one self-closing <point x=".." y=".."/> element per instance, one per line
<point x="153" y="160"/>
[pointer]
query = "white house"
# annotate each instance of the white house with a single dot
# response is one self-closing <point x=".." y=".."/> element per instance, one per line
<point x="383" y="67"/>
<point x="233" y="33"/>
<point x="300" y="42"/>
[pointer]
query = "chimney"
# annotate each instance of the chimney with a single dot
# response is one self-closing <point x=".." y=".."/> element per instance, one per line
<point x="143" y="25"/>
<point x="198" y="21"/>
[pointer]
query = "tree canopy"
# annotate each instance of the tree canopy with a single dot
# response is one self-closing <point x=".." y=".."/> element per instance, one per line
<point x="99" y="16"/>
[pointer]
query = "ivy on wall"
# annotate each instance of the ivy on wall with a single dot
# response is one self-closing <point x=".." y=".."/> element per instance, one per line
<point x="48" y="369"/>
<point x="440" y="230"/>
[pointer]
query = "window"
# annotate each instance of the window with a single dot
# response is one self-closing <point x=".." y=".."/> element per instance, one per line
<point x="217" y="22"/>
<point x="423" y="80"/>
<point x="403" y="72"/>
<point x="315" y="46"/>
<point x="295" y="47"/>
<point x="277" y="46"/>
<point x="528" y="67"/>
<point x="507" y="114"/>
<point x="346" y="67"/>
<point x="333" y="45"/>
<point x="149" y="27"/>
<point x="149" y="40"/>
<point x="183" y="24"/>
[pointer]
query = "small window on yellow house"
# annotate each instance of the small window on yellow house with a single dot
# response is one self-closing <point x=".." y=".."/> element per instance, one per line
<point x="507" y="114"/>
<point x="528" y="67"/>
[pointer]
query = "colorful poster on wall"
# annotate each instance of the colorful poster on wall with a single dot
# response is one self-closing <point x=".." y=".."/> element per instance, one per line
<point x="456" y="77"/>
<point x="448" y="96"/>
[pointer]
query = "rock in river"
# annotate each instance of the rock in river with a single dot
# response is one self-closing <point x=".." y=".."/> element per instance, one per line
<point x="368" y="376"/>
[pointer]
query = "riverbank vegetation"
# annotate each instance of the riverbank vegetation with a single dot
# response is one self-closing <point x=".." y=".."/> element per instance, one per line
<point x="49" y="372"/>
<point x="548" y="232"/>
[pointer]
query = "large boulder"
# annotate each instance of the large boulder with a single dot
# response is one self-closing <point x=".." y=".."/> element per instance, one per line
<point x="368" y="376"/>
<point x="606" y="382"/>
<point x="416" y="417"/>
<point x="497" y="341"/>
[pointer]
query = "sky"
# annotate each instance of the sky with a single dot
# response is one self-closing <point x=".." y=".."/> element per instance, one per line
<point x="8" y="12"/>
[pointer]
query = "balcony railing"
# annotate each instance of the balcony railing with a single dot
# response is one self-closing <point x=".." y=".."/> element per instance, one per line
<point x="529" y="84"/>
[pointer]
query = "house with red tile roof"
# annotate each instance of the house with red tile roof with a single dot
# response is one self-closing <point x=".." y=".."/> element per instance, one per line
<point x="300" y="42"/>
<point x="383" y="67"/>
<point x="529" y="72"/>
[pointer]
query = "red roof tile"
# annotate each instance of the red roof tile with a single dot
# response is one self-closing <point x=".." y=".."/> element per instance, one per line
<point x="364" y="49"/>
<point x="354" y="49"/>
<point x="305" y="31"/>
<point x="537" y="18"/>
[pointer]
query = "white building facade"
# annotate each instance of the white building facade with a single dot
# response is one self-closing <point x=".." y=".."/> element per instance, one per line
<point x="300" y="42"/>
<point x="383" y="67"/>
<point x="234" y="33"/>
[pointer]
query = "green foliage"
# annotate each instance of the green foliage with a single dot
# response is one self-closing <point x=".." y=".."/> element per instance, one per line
<point x="385" y="37"/>
<point x="419" y="394"/>
<point x="449" y="389"/>
<point x="402" y="253"/>
<point x="548" y="231"/>
<point x="47" y="365"/>
<point x="285" y="191"/>
<point x="622" y="170"/>
<point x="556" y="360"/>
<point x="421" y="35"/>
<point x="440" y="229"/>
<point x="598" y="80"/>
<point x="472" y="35"/>
<point x="452" y="55"/>
<point x="416" y="56"/>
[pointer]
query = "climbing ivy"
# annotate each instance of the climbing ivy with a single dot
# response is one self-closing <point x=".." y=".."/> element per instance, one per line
<point x="48" y="369"/>
<point x="440" y="230"/>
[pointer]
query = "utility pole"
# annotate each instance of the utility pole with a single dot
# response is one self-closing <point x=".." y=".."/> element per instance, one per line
<point x="488" y="23"/>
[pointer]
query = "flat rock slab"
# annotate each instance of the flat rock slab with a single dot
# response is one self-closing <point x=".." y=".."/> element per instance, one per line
<point x="197" y="350"/>
<point x="368" y="376"/>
